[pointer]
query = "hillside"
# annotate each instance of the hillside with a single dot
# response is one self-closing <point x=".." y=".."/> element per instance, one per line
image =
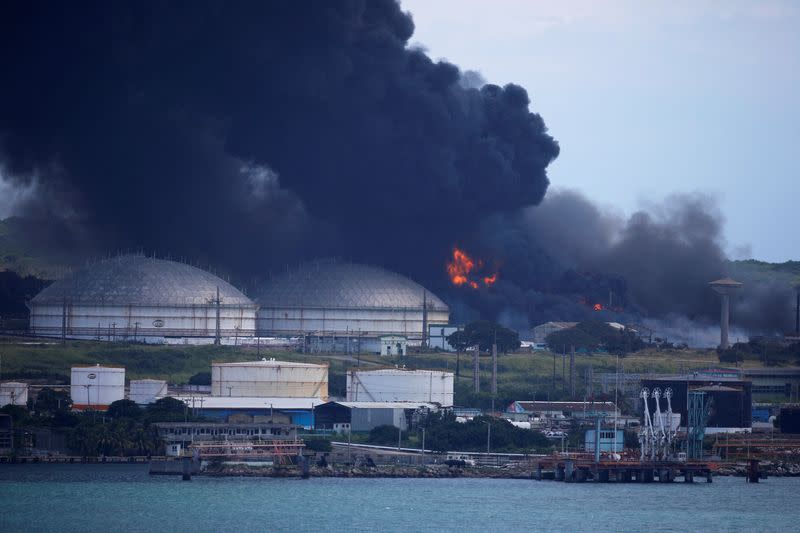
<point x="21" y="253"/>
<point x="761" y="271"/>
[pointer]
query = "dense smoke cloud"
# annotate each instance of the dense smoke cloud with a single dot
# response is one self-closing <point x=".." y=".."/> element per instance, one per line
<point x="156" y="121"/>
<point x="252" y="135"/>
<point x="563" y="257"/>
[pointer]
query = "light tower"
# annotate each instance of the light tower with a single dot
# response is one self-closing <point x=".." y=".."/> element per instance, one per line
<point x="725" y="287"/>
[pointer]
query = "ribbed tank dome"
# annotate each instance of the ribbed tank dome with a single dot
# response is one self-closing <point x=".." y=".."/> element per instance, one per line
<point x="331" y="284"/>
<point x="141" y="281"/>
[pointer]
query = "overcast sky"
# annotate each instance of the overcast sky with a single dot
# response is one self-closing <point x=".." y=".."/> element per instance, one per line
<point x="651" y="98"/>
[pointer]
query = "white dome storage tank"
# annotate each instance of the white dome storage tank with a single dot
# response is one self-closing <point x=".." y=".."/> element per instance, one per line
<point x="146" y="391"/>
<point x="13" y="393"/>
<point x="341" y="300"/>
<point x="398" y="385"/>
<point x="269" y="379"/>
<point x="96" y="387"/>
<point x="133" y="297"/>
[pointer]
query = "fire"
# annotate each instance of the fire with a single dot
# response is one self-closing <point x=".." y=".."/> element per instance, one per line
<point x="598" y="307"/>
<point x="460" y="268"/>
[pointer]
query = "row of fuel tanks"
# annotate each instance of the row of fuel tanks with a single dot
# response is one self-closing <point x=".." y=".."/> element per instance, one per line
<point x="242" y="385"/>
<point x="140" y="298"/>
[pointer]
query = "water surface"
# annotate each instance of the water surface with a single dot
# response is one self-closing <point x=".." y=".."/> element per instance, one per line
<point x="118" y="498"/>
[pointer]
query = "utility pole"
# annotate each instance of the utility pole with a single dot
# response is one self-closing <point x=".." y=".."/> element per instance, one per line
<point x="572" y="373"/>
<point x="488" y="437"/>
<point x="64" y="321"/>
<point x="399" y="437"/>
<point x="424" y="319"/>
<point x="494" y="368"/>
<point x="476" y="378"/>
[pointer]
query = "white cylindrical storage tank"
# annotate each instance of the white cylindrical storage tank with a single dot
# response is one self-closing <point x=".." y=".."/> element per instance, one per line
<point x="397" y="385"/>
<point x="13" y="393"/>
<point x="269" y="379"/>
<point x="145" y="391"/>
<point x="96" y="387"/>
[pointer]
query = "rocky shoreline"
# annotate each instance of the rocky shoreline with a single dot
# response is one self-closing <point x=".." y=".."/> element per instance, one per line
<point x="442" y="471"/>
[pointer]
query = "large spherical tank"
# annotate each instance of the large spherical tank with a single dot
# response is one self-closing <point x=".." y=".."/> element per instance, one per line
<point x="338" y="298"/>
<point x="96" y="387"/>
<point x="269" y="379"/>
<point x="13" y="393"/>
<point x="145" y="391"/>
<point x="133" y="297"/>
<point x="396" y="385"/>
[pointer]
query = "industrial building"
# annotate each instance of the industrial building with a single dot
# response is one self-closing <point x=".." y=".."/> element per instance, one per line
<point x="299" y="411"/>
<point x="399" y="385"/>
<point x="558" y="411"/>
<point x="340" y="306"/>
<point x="775" y="383"/>
<point x="729" y="398"/>
<point x="609" y="440"/>
<point x="13" y="393"/>
<point x="133" y="297"/>
<point x="541" y="331"/>
<point x="269" y="378"/>
<point x="344" y="417"/>
<point x="96" y="387"/>
<point x="180" y="435"/>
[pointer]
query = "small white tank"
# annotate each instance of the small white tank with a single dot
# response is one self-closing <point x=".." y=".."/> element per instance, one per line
<point x="145" y="391"/>
<point x="96" y="387"/>
<point x="13" y="393"/>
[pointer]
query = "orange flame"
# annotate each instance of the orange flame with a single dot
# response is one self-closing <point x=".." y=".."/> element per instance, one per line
<point x="462" y="265"/>
<point x="598" y="307"/>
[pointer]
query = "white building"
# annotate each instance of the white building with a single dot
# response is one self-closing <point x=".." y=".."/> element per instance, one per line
<point x="13" y="393"/>
<point x="96" y="387"/>
<point x="146" y="391"/>
<point x="269" y="378"/>
<point x="397" y="385"/>
<point x="345" y="307"/>
<point x="133" y="297"/>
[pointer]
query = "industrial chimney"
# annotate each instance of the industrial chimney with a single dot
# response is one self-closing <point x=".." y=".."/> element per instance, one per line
<point x="725" y="287"/>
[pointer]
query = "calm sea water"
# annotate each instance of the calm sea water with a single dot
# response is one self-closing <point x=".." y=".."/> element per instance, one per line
<point x="119" y="498"/>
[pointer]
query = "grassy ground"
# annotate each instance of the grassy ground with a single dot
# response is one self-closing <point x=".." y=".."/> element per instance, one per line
<point x="520" y="376"/>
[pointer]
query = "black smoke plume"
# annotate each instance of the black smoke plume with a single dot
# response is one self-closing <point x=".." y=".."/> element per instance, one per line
<point x="253" y="134"/>
<point x="250" y="135"/>
<point x="567" y="255"/>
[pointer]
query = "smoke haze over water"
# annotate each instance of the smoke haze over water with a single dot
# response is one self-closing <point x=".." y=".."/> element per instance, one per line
<point x="254" y="135"/>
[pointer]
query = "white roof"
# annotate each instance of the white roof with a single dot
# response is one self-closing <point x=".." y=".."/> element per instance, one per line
<point x="387" y="405"/>
<point x="234" y="402"/>
<point x="268" y="362"/>
<point x="400" y="372"/>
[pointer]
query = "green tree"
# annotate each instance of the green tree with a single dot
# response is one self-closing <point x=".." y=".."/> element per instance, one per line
<point x="49" y="401"/>
<point x="166" y="410"/>
<point x="383" y="435"/>
<point x="484" y="333"/>
<point x="460" y="341"/>
<point x="201" y="378"/>
<point x="124" y="409"/>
